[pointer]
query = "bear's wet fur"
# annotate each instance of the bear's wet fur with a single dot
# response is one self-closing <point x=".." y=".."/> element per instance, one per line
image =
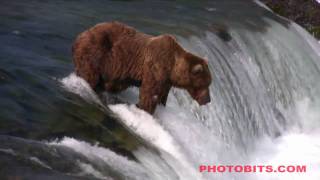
<point x="115" y="56"/>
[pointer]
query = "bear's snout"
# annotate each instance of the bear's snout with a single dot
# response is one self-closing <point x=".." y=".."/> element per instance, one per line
<point x="202" y="96"/>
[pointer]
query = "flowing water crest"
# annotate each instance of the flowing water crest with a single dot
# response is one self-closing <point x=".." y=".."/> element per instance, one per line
<point x="265" y="107"/>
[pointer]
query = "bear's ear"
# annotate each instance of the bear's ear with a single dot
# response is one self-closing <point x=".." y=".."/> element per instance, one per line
<point x="173" y="37"/>
<point x="206" y="61"/>
<point x="197" y="69"/>
<point x="168" y="37"/>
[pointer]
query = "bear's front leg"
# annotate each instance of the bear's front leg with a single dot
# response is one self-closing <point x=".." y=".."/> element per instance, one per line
<point x="164" y="94"/>
<point x="150" y="96"/>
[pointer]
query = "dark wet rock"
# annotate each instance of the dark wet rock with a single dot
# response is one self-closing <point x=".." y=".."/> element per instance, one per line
<point x="4" y="76"/>
<point x="221" y="31"/>
<point x="304" y="12"/>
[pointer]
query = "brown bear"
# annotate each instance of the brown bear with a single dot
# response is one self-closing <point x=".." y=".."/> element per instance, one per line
<point x="115" y="56"/>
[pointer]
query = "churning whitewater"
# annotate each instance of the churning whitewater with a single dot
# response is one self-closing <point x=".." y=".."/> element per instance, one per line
<point x="264" y="111"/>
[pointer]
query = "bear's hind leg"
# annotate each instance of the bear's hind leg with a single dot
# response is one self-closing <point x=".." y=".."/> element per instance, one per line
<point x="91" y="77"/>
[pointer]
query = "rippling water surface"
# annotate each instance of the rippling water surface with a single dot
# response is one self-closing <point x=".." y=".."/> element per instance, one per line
<point x="265" y="107"/>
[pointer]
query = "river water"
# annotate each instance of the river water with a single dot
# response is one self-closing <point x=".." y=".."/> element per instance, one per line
<point x="265" y="95"/>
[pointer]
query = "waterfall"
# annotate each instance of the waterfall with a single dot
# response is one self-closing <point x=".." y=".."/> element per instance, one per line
<point x="265" y="95"/>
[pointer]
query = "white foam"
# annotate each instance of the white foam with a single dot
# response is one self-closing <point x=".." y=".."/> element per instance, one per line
<point x="290" y="149"/>
<point x="261" y="4"/>
<point x="307" y="37"/>
<point x="180" y="134"/>
<point x="8" y="151"/>
<point x="210" y="9"/>
<point x="145" y="126"/>
<point x="199" y="144"/>
<point x="148" y="128"/>
<point x="89" y="170"/>
<point x="299" y="146"/>
<point x="309" y="115"/>
<point x="174" y="128"/>
<point x="38" y="161"/>
<point x="93" y="152"/>
<point x="77" y="85"/>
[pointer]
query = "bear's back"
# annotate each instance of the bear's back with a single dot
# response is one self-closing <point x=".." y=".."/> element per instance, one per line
<point x="113" y="31"/>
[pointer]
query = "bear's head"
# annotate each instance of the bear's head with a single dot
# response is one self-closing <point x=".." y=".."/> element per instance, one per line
<point x="192" y="73"/>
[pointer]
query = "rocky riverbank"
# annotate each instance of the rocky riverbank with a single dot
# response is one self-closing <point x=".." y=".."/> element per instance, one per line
<point x="304" y="12"/>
